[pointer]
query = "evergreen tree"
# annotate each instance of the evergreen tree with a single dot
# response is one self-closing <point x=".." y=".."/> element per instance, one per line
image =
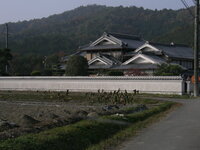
<point x="168" y="70"/>
<point x="5" y="57"/>
<point x="76" y="66"/>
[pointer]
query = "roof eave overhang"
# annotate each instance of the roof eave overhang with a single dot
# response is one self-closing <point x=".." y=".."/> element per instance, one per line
<point x="104" y="49"/>
<point x="178" y="58"/>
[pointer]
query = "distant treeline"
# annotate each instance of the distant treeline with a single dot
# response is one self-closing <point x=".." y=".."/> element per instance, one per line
<point x="65" y="32"/>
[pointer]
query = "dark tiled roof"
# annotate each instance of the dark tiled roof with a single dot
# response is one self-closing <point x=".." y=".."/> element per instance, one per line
<point x="137" y="66"/>
<point x="125" y="36"/>
<point x="132" y="53"/>
<point x="103" y="47"/>
<point x="129" y="41"/>
<point x="78" y="53"/>
<point x="113" y="59"/>
<point x="156" y="58"/>
<point x="175" y="51"/>
<point x="84" y="46"/>
<point x="132" y="44"/>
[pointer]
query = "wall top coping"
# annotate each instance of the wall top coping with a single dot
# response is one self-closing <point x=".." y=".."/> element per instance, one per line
<point x="93" y="78"/>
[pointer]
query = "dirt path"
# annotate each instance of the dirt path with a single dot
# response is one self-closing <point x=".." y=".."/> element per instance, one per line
<point x="180" y="130"/>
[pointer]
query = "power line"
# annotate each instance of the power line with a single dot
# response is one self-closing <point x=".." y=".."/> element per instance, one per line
<point x="196" y="43"/>
<point x="188" y="7"/>
<point x="186" y="4"/>
<point x="196" y="50"/>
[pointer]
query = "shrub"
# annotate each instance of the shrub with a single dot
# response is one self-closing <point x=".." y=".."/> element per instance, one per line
<point x="35" y="73"/>
<point x="115" y="73"/>
<point x="47" y="72"/>
<point x="168" y="70"/>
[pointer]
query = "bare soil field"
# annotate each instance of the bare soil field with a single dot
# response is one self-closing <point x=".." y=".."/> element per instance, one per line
<point x="33" y="112"/>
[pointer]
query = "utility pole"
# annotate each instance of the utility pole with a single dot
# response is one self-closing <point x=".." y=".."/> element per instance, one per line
<point x="6" y="67"/>
<point x="6" y="35"/>
<point x="196" y="50"/>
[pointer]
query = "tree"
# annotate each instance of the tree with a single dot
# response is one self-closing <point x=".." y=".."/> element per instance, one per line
<point x="5" y="57"/>
<point x="76" y="66"/>
<point x="168" y="70"/>
<point x="23" y="65"/>
<point x="115" y="73"/>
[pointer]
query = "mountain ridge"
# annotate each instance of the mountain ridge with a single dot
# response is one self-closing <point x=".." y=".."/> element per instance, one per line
<point x="71" y="29"/>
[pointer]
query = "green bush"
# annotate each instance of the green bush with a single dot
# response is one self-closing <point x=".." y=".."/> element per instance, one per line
<point x="35" y="73"/>
<point x="115" y="73"/>
<point x="168" y="70"/>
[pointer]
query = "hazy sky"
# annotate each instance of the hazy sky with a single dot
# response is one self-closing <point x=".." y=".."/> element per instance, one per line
<point x="19" y="10"/>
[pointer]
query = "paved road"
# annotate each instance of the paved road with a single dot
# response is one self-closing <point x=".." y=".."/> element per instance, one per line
<point x="180" y="130"/>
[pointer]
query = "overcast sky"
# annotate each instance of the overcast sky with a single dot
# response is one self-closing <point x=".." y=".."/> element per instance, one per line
<point x="19" y="10"/>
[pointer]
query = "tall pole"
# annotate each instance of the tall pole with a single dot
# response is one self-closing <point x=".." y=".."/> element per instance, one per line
<point x="196" y="50"/>
<point x="6" y="67"/>
<point x="6" y="35"/>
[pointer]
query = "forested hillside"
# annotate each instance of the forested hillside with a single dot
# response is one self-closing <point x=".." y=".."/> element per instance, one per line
<point x="64" y="33"/>
<point x="67" y="31"/>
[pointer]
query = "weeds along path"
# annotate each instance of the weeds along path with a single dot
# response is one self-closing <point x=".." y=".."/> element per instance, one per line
<point x="180" y="130"/>
<point x="32" y="103"/>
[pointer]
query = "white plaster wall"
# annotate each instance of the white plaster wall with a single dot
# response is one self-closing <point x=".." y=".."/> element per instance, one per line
<point x="165" y="85"/>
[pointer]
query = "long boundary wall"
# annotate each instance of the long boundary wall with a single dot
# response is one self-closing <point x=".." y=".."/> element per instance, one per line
<point x="154" y="84"/>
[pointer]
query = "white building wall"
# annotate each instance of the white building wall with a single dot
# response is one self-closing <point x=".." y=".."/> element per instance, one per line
<point x="163" y="85"/>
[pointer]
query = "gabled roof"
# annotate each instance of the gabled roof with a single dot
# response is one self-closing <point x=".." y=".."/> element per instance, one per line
<point x="107" y="37"/>
<point x="105" y="59"/>
<point x="170" y="50"/>
<point x="125" y="41"/>
<point x="116" y="41"/>
<point x="100" y="59"/>
<point x="150" y="47"/>
<point x="151" y="59"/>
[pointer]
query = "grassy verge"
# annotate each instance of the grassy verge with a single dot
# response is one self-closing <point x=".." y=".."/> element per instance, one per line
<point x="85" y="134"/>
<point x="165" y="96"/>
